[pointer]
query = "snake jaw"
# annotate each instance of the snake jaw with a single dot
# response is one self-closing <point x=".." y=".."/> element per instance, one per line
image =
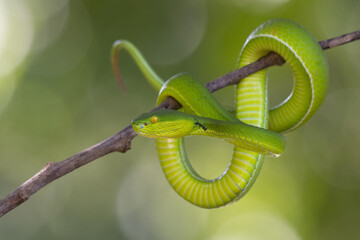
<point x="163" y="124"/>
<point x="168" y="130"/>
<point x="139" y="128"/>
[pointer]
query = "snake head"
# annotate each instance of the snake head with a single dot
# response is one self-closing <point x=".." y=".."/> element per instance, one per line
<point x="163" y="123"/>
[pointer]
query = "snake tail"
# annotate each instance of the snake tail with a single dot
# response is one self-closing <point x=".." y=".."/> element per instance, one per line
<point x="155" y="81"/>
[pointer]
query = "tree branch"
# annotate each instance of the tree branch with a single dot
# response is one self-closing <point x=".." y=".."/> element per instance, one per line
<point x="121" y="141"/>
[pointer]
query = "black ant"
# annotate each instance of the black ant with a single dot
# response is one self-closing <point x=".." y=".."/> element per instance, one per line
<point x="200" y="125"/>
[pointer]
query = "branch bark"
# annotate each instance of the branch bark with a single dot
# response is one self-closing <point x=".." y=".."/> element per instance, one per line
<point x="121" y="141"/>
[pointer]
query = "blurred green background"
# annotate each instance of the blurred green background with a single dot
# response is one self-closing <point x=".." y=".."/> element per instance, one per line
<point x="58" y="96"/>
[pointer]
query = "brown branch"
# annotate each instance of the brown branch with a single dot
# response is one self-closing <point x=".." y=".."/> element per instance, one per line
<point x="341" y="40"/>
<point x="121" y="141"/>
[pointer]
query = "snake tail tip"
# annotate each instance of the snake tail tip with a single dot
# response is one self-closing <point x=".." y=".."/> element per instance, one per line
<point x="121" y="83"/>
<point x="115" y="65"/>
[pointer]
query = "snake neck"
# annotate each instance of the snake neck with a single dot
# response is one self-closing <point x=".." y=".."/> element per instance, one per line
<point x="242" y="135"/>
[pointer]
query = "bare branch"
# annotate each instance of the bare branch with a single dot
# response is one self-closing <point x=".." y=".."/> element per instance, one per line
<point x="337" y="41"/>
<point x="121" y="141"/>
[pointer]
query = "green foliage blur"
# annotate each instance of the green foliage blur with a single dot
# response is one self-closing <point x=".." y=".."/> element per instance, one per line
<point x="58" y="96"/>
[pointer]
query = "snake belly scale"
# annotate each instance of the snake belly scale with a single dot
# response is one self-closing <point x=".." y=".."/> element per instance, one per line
<point x="254" y="130"/>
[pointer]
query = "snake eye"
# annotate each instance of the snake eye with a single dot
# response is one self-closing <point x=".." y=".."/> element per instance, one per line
<point x="154" y="119"/>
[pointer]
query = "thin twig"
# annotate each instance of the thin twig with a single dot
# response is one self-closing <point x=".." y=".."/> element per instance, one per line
<point x="121" y="141"/>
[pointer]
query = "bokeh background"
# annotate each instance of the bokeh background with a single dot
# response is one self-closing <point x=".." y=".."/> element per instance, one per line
<point x="58" y="96"/>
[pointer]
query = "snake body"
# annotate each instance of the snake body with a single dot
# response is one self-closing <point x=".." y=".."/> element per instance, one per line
<point x="248" y="129"/>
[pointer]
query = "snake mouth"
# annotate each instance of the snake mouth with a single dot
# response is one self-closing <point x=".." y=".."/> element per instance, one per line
<point x="139" y="128"/>
<point x="159" y="130"/>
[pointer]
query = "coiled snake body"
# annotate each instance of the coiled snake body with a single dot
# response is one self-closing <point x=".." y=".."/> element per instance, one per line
<point x="201" y="114"/>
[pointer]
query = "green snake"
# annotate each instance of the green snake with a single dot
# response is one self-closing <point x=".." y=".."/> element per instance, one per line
<point x="254" y="131"/>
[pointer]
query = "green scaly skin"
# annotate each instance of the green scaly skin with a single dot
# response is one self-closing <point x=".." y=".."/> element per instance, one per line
<point x="176" y="124"/>
<point x="303" y="54"/>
